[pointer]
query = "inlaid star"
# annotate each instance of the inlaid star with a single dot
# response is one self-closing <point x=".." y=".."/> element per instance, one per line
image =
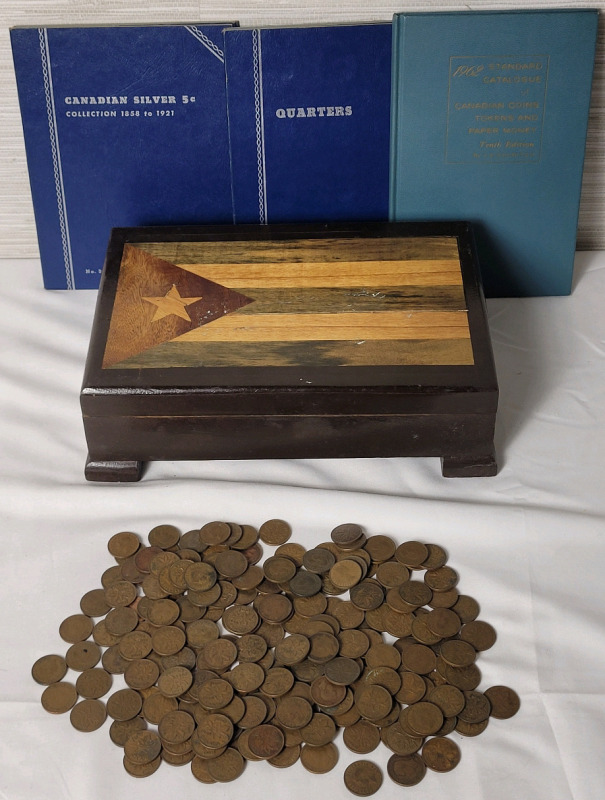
<point x="171" y="303"/>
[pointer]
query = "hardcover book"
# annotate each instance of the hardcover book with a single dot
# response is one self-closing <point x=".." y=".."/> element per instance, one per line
<point x="123" y="126"/>
<point x="489" y="118"/>
<point x="309" y="122"/>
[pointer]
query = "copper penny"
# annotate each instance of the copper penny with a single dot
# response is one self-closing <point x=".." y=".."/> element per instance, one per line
<point x="141" y="770"/>
<point x="504" y="701"/>
<point x="120" y="730"/>
<point x="58" y="698"/>
<point x="380" y="548"/>
<point x="367" y="595"/>
<point x="141" y="747"/>
<point x="406" y="770"/>
<point x="215" y="731"/>
<point x="175" y="681"/>
<point x="76" y="628"/>
<point x="49" y="669"/>
<point x="124" y="704"/>
<point x="318" y="560"/>
<point x="479" y="634"/>
<point x="176" y="727"/>
<point x="457" y="653"/>
<point x="362" y="737"/>
<point x="141" y="674"/>
<point x="320" y="730"/>
<point x="274" y="532"/>
<point x="305" y="584"/>
<point x="437" y="557"/>
<point x="441" y="754"/>
<point x="363" y="778"/>
<point x="467" y="608"/>
<point x="93" y="603"/>
<point x="347" y="534"/>
<point x="88" y="715"/>
<point x="448" y="698"/>
<point x="476" y="707"/>
<point x="164" y="536"/>
<point x="294" y="712"/>
<point x="214" y="694"/>
<point x="266" y="741"/>
<point x="226" y="767"/>
<point x="93" y="683"/>
<point x="442" y="579"/>
<point x="373" y="702"/>
<point x="124" y="544"/>
<point x="399" y="741"/>
<point x="412" y="554"/>
<point x="277" y="682"/>
<point x="134" y="645"/>
<point x="424" y="718"/>
<point x="319" y="760"/>
<point x="199" y="770"/>
<point x="247" y="677"/>
<point x="83" y="655"/>
<point x="156" y="706"/>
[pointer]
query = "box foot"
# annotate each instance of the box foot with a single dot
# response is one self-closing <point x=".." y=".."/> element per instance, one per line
<point x="470" y="466"/>
<point x="113" y="471"/>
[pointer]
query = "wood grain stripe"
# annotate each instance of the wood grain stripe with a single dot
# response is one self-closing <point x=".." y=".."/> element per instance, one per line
<point x="379" y="325"/>
<point x="411" y="352"/>
<point x="313" y="300"/>
<point x="293" y="250"/>
<point x="330" y="274"/>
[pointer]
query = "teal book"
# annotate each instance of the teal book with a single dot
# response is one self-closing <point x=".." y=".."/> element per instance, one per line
<point x="489" y="112"/>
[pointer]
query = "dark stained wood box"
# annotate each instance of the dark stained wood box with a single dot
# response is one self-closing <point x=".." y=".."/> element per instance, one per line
<point x="290" y="341"/>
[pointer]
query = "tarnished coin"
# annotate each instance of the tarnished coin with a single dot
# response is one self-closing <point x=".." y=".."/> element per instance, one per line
<point x="362" y="737"/>
<point x="412" y="554"/>
<point x="294" y="712"/>
<point x="437" y="557"/>
<point x="399" y="741"/>
<point x="93" y="603"/>
<point x="156" y="706"/>
<point x="120" y="593"/>
<point x="88" y="715"/>
<point x="120" y="730"/>
<point x="367" y="595"/>
<point x="134" y="645"/>
<point x="124" y="704"/>
<point x="226" y="767"/>
<point x="164" y="536"/>
<point x="347" y="534"/>
<point x="279" y="569"/>
<point x="444" y="622"/>
<point x="83" y="655"/>
<point x="277" y="682"/>
<point x="425" y="718"/>
<point x="176" y="727"/>
<point x="215" y="731"/>
<point x="481" y="635"/>
<point x="93" y="683"/>
<point x="288" y="756"/>
<point x="76" y="628"/>
<point x="413" y="688"/>
<point x="448" y="698"/>
<point x="305" y="584"/>
<point x="318" y="560"/>
<point x="292" y="649"/>
<point x="321" y="729"/>
<point x="175" y="681"/>
<point x="415" y="593"/>
<point x="464" y="678"/>
<point x="363" y="778"/>
<point x="442" y="579"/>
<point x="58" y="698"/>
<point x="231" y="563"/>
<point x="121" y="620"/>
<point x="476" y="707"/>
<point x="214" y="694"/>
<point x="418" y="658"/>
<point x="266" y="741"/>
<point x="319" y="760"/>
<point x="327" y="694"/>
<point x="324" y="647"/>
<point x="441" y="754"/>
<point x="471" y="728"/>
<point x="199" y="770"/>
<point x="143" y="746"/>
<point x="141" y="770"/>
<point x="123" y="545"/>
<point x="141" y="674"/>
<point x="380" y="548"/>
<point x="504" y="701"/>
<point x="457" y="653"/>
<point x="406" y="770"/>
<point x="342" y="671"/>
<point x="274" y="607"/>
<point x="246" y="677"/>
<point x="373" y="702"/>
<point x="392" y="573"/>
<point x="274" y="532"/>
<point x="346" y="573"/>
<point x="49" y="669"/>
<point x="467" y="608"/>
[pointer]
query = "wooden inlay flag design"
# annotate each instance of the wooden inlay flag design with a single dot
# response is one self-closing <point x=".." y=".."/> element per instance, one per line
<point x="316" y="302"/>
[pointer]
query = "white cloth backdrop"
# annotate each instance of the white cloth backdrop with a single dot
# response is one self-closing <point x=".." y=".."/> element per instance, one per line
<point x="529" y="545"/>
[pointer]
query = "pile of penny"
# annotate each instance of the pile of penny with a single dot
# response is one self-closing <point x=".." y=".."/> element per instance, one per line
<point x="226" y="660"/>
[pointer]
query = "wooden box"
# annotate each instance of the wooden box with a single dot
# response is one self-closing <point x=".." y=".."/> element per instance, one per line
<point x="290" y="341"/>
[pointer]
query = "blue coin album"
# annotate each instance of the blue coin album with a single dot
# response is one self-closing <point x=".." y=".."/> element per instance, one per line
<point x="474" y="116"/>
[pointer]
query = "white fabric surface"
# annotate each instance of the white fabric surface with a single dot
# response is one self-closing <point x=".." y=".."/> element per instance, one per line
<point x="529" y="545"/>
